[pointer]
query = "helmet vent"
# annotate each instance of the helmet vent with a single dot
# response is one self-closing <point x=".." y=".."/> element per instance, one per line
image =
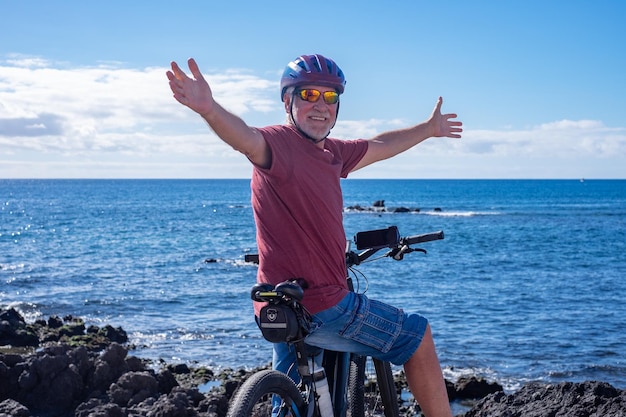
<point x="318" y="64"/>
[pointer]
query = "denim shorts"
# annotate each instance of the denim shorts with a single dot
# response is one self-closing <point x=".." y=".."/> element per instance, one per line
<point x="368" y="327"/>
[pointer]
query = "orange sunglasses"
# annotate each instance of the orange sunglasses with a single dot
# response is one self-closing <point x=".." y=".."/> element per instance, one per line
<point x="311" y="95"/>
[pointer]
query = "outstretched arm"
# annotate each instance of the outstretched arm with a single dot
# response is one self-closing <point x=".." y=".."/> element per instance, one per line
<point x="196" y="94"/>
<point x="392" y="143"/>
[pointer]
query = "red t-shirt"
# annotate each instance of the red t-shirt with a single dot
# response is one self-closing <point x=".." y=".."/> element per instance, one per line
<point x="298" y="210"/>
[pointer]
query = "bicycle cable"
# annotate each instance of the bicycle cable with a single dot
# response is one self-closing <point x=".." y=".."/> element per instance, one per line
<point x="356" y="274"/>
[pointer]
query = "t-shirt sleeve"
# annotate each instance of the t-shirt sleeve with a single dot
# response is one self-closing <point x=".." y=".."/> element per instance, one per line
<point x="352" y="151"/>
<point x="282" y="164"/>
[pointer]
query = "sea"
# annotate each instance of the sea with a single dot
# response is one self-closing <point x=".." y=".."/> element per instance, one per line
<point x="529" y="283"/>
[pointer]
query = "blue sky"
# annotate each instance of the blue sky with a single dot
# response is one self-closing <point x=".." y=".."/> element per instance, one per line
<point x="539" y="85"/>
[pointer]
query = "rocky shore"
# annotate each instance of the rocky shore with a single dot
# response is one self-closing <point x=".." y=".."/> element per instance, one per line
<point x="59" y="367"/>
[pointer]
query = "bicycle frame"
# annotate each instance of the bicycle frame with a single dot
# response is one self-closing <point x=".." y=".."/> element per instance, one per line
<point x="337" y="365"/>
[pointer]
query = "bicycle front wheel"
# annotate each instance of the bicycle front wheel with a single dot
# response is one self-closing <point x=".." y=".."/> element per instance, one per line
<point x="371" y="388"/>
<point x="254" y="397"/>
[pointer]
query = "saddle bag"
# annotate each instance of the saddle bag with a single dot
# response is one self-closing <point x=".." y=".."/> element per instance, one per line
<point x="278" y="323"/>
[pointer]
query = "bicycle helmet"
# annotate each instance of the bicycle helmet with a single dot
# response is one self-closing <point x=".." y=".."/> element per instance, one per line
<point x="312" y="69"/>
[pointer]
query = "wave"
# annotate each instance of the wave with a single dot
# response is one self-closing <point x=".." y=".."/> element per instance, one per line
<point x="460" y="213"/>
<point x="29" y="311"/>
<point x="12" y="267"/>
<point x="442" y="213"/>
<point x="509" y="383"/>
<point x="599" y="372"/>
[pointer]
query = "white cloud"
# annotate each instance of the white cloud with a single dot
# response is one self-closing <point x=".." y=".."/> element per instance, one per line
<point x="111" y="121"/>
<point x="105" y="108"/>
<point x="356" y="129"/>
<point x="560" y="139"/>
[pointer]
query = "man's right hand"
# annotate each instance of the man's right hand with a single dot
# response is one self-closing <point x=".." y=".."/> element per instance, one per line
<point x="195" y="92"/>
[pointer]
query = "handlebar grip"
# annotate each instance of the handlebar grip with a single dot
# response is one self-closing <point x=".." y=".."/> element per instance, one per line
<point x="426" y="237"/>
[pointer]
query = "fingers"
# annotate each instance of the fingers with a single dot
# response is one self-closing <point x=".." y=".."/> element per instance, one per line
<point x="192" y="64"/>
<point x="177" y="74"/>
<point x="454" y="127"/>
<point x="176" y="77"/>
<point x="451" y="127"/>
<point x="195" y="70"/>
<point x="438" y="105"/>
<point x="176" y="71"/>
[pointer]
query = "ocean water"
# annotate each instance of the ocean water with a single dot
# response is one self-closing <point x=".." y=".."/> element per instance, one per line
<point x="529" y="283"/>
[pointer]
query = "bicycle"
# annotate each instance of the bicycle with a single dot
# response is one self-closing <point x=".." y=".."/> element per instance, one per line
<point x="349" y="389"/>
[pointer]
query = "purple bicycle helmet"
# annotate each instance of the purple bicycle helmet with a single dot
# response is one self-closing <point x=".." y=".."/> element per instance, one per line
<point x="312" y="69"/>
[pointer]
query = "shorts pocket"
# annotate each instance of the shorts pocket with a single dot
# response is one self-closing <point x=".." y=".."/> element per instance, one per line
<point x="375" y="324"/>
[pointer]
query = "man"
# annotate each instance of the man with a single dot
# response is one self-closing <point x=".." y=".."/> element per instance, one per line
<point x="298" y="206"/>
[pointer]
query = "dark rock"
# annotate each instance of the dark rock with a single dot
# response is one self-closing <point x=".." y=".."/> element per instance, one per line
<point x="50" y="382"/>
<point x="115" y="355"/>
<point x="230" y="387"/>
<point x="179" y="368"/>
<point x="472" y="388"/>
<point x="114" y="334"/>
<point x="54" y="322"/>
<point x="108" y="367"/>
<point x="12" y="408"/>
<point x="12" y="318"/>
<point x="401" y="210"/>
<point x="379" y="207"/>
<point x="14" y="331"/>
<point x="133" y="387"/>
<point x="215" y="404"/>
<point x="566" y="399"/>
<point x="180" y="402"/>
<point x="356" y="208"/>
<point x="167" y="381"/>
<point x="10" y="359"/>
<point x="72" y="330"/>
<point x="88" y="373"/>
<point x="97" y="408"/>
<point x="79" y="357"/>
<point x="133" y="363"/>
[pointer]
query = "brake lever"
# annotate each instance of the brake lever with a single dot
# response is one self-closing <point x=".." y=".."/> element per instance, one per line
<point x="398" y="253"/>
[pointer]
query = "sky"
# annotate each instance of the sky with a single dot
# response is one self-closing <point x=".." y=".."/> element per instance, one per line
<point x="540" y="86"/>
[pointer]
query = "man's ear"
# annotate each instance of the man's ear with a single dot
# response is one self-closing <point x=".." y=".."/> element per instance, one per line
<point x="287" y="102"/>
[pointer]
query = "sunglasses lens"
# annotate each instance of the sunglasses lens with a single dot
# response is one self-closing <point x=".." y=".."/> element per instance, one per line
<point x="310" y="95"/>
<point x="331" y="97"/>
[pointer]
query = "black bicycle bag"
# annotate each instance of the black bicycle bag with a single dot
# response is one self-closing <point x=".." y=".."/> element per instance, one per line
<point x="278" y="323"/>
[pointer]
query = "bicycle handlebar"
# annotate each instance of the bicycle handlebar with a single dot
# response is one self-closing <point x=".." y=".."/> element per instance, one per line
<point x="373" y="241"/>
<point x="426" y="237"/>
<point x="397" y="247"/>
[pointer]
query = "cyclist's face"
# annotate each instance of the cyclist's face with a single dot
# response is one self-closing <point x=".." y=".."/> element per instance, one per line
<point x="315" y="119"/>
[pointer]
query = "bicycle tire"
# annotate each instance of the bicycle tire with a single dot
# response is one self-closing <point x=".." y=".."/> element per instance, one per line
<point x="254" y="396"/>
<point x="387" y="388"/>
<point x="356" y="386"/>
<point x="370" y="395"/>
